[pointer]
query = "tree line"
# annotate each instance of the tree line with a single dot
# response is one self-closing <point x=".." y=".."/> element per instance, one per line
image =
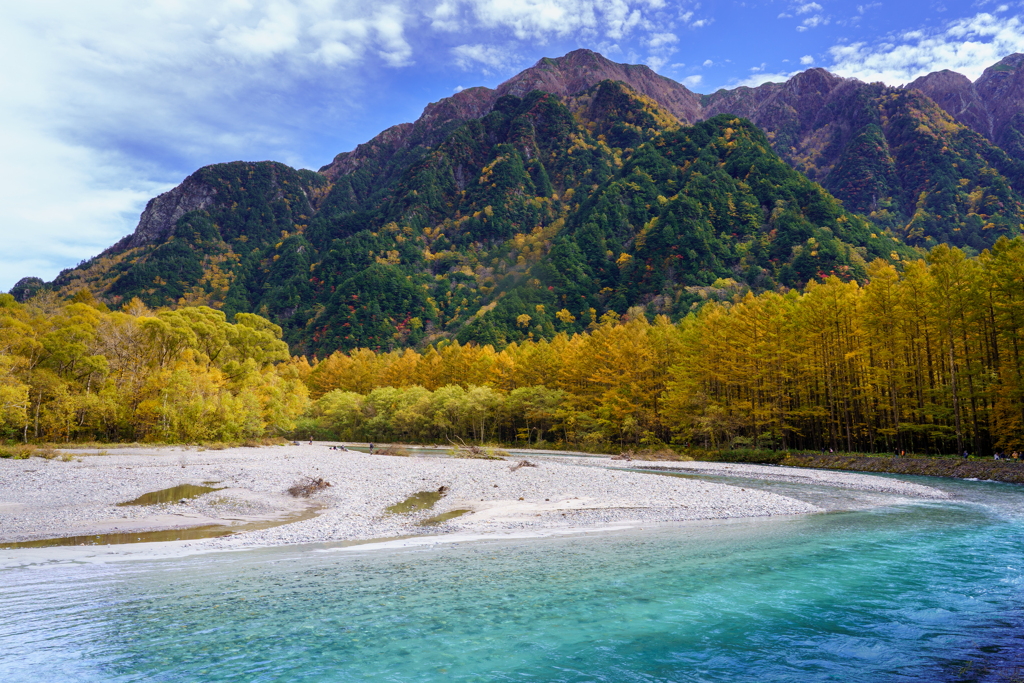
<point x="924" y="357"/>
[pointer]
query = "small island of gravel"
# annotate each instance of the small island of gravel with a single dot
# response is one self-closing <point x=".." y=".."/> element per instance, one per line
<point x="41" y="499"/>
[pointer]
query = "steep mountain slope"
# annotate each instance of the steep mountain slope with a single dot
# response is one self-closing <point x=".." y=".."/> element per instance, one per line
<point x="892" y="154"/>
<point x="992" y="106"/>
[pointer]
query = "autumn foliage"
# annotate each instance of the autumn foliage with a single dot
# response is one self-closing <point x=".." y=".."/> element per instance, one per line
<point x="75" y="370"/>
<point x="923" y="359"/>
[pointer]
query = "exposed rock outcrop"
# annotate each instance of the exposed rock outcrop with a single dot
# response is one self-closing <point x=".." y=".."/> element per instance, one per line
<point x="162" y="212"/>
<point x="989" y="105"/>
<point x="26" y="288"/>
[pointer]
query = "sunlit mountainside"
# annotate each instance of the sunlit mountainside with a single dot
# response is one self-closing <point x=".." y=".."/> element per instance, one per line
<point x="581" y="187"/>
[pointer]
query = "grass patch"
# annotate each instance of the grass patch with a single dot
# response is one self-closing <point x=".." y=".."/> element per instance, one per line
<point x="25" y="451"/>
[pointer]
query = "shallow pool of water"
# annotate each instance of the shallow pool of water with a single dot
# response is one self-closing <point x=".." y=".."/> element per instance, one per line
<point x="182" y="534"/>
<point x="920" y="592"/>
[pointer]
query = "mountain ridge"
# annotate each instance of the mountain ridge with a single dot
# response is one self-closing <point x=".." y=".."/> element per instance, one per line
<point x="579" y="186"/>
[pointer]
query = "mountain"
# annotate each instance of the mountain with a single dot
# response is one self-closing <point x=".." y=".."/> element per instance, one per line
<point x="894" y="154"/>
<point x="576" y="188"/>
<point x="992" y="106"/>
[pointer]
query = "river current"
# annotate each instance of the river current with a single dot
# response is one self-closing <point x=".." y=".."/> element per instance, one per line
<point x="909" y="591"/>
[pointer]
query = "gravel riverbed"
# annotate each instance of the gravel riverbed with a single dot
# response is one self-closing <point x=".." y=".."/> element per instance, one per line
<point x="52" y="498"/>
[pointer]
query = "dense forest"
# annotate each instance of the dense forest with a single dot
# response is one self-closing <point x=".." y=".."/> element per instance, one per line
<point x="74" y="370"/>
<point x="925" y="357"/>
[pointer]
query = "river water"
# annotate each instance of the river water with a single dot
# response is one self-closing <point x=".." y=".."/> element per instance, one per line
<point x="908" y="591"/>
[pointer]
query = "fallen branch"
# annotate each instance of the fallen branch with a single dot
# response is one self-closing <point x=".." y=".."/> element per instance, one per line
<point x="522" y="463"/>
<point x="307" y="486"/>
<point x="467" y="451"/>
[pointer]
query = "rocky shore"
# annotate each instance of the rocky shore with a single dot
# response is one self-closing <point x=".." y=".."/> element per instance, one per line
<point x="42" y="499"/>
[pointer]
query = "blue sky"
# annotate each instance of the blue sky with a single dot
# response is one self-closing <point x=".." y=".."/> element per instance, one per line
<point x="109" y="102"/>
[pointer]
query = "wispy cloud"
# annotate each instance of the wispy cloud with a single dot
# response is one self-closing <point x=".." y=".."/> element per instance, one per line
<point x="966" y="45"/>
<point x="812" y="22"/>
<point x="757" y="79"/>
<point x="532" y="19"/>
<point x="492" y="58"/>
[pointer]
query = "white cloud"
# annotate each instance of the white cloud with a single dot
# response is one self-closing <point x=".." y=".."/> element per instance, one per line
<point x="967" y="46"/>
<point x="678" y="65"/>
<point x="760" y="78"/>
<point x="807" y="60"/>
<point x="811" y="22"/>
<point x="701" y="23"/>
<point x="708" y="62"/>
<point x="660" y="40"/>
<point x="692" y="81"/>
<point x="656" y="62"/>
<point x="490" y="57"/>
<point x="459" y="88"/>
<point x="276" y="32"/>
<point x="808" y="8"/>
<point x="533" y="19"/>
<point x="445" y="16"/>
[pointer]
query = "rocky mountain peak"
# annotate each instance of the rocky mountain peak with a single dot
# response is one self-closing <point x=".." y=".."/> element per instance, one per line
<point x="580" y="70"/>
<point x="564" y="76"/>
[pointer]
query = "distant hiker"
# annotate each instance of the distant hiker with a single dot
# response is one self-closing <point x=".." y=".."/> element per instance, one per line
<point x="965" y="455"/>
<point x="310" y="441"/>
<point x="371" y="448"/>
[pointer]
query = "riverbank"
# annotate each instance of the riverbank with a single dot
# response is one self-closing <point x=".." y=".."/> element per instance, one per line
<point x="44" y="499"/>
<point x="986" y="470"/>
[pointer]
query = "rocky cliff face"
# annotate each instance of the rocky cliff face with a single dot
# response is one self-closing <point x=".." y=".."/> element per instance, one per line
<point x="162" y="212"/>
<point x="957" y="96"/>
<point x="582" y="69"/>
<point x="26" y="288"/>
<point x="809" y="118"/>
<point x="991" y="106"/>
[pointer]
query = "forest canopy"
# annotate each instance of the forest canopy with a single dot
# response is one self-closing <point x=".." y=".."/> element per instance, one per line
<point x="926" y="358"/>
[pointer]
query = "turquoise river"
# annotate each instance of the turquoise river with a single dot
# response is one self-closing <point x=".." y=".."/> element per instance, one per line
<point x="905" y="591"/>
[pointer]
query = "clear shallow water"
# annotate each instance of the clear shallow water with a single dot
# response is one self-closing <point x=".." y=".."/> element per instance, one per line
<point x="925" y="592"/>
